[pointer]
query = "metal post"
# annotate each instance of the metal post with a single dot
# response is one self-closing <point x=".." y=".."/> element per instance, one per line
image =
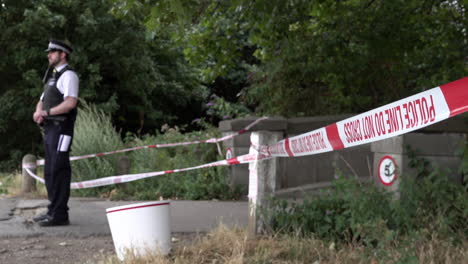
<point x="28" y="183"/>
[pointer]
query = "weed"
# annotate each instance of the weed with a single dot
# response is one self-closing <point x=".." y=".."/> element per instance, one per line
<point x="94" y="133"/>
<point x="366" y="215"/>
<point x="6" y="182"/>
<point x="349" y="213"/>
<point x="232" y="245"/>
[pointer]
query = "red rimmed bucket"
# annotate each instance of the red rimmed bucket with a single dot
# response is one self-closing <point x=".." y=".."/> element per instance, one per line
<point x="140" y="228"/>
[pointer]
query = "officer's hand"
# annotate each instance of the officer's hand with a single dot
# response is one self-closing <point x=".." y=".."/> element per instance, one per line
<point x="37" y="117"/>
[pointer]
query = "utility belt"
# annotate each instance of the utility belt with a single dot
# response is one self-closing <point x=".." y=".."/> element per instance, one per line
<point x="54" y="120"/>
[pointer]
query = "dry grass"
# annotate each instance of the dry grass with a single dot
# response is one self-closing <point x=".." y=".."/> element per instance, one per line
<point x="440" y="251"/>
<point x="12" y="184"/>
<point x="233" y="246"/>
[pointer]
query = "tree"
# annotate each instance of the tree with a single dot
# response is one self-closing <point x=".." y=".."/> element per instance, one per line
<point x="322" y="56"/>
<point x="141" y="79"/>
<point x="213" y="40"/>
<point x="352" y="56"/>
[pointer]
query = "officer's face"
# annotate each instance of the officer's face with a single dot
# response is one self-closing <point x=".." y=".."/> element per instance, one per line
<point x="54" y="57"/>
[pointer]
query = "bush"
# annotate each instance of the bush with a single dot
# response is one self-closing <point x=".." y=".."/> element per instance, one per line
<point x="432" y="201"/>
<point x="348" y="212"/>
<point x="207" y="183"/>
<point x="94" y="133"/>
<point x="369" y="215"/>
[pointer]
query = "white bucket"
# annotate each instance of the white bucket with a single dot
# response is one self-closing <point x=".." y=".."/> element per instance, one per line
<point x="140" y="228"/>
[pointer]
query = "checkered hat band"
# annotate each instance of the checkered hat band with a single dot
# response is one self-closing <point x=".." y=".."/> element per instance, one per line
<point x="59" y="47"/>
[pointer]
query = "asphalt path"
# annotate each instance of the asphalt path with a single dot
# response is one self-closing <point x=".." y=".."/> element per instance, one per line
<point x="88" y="217"/>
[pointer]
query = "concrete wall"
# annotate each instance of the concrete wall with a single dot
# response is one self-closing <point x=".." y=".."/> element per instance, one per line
<point x="437" y="143"/>
<point x="442" y="150"/>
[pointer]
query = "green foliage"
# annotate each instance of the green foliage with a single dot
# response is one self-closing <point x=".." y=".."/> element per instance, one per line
<point x="434" y="202"/>
<point x="349" y="212"/>
<point x="464" y="154"/>
<point x="141" y="79"/>
<point x="208" y="183"/>
<point x="212" y="38"/>
<point x="371" y="216"/>
<point x="6" y="181"/>
<point x="222" y="109"/>
<point x="343" y="56"/>
<point x="94" y="133"/>
<point x="204" y="185"/>
<point x="214" y="42"/>
<point x="351" y="56"/>
<point x="432" y="199"/>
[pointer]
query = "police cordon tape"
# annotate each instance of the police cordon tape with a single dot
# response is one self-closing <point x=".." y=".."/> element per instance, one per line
<point x="397" y="118"/>
<point x="211" y="140"/>
<point x="133" y="177"/>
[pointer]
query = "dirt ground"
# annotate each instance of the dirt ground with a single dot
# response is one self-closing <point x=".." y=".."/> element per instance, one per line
<point x="67" y="250"/>
<point x="55" y="250"/>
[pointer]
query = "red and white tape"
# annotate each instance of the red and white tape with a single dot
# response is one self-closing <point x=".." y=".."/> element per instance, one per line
<point x="397" y="118"/>
<point x="211" y="140"/>
<point x="39" y="179"/>
<point x="133" y="177"/>
<point x="400" y="117"/>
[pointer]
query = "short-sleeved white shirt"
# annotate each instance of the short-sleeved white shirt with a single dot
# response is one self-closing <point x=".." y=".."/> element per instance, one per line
<point x="67" y="84"/>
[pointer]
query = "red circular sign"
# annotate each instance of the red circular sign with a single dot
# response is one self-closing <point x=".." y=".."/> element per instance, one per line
<point x="387" y="170"/>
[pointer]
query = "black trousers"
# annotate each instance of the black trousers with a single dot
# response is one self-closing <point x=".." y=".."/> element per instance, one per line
<point x="58" y="137"/>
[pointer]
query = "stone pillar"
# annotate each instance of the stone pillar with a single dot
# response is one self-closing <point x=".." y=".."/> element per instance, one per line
<point x="440" y="149"/>
<point x="237" y="146"/>
<point x="264" y="180"/>
<point x="393" y="148"/>
<point x="28" y="183"/>
<point x="239" y="175"/>
<point x="123" y="167"/>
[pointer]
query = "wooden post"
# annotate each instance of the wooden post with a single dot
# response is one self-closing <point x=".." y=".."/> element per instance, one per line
<point x="264" y="180"/>
<point x="28" y="183"/>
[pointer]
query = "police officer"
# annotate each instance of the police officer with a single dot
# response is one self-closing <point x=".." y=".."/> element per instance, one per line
<point x="56" y="112"/>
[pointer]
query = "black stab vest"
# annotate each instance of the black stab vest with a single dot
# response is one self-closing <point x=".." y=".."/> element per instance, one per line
<point x="53" y="97"/>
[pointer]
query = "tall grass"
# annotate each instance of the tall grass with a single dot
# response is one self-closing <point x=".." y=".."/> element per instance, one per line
<point x="6" y="181"/>
<point x="225" y="245"/>
<point x="11" y="185"/>
<point x="94" y="133"/>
